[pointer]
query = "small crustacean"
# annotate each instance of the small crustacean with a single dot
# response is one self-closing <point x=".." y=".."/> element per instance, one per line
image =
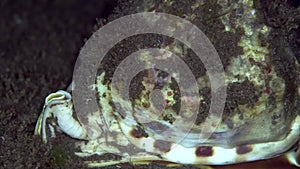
<point x="261" y="119"/>
<point x="56" y="103"/>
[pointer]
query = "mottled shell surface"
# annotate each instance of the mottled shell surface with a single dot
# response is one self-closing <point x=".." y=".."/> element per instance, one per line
<point x="262" y="78"/>
<point x="261" y="75"/>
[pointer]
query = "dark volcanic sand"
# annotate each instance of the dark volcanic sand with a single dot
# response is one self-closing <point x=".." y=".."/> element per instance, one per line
<point x="39" y="44"/>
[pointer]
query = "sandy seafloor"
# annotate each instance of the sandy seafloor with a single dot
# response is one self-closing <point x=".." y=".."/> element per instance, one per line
<point x="39" y="43"/>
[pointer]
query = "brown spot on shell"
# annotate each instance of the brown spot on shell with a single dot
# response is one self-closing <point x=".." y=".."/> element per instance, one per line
<point x="244" y="149"/>
<point x="138" y="133"/>
<point x="146" y="105"/>
<point x="163" y="146"/>
<point x="204" y="151"/>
